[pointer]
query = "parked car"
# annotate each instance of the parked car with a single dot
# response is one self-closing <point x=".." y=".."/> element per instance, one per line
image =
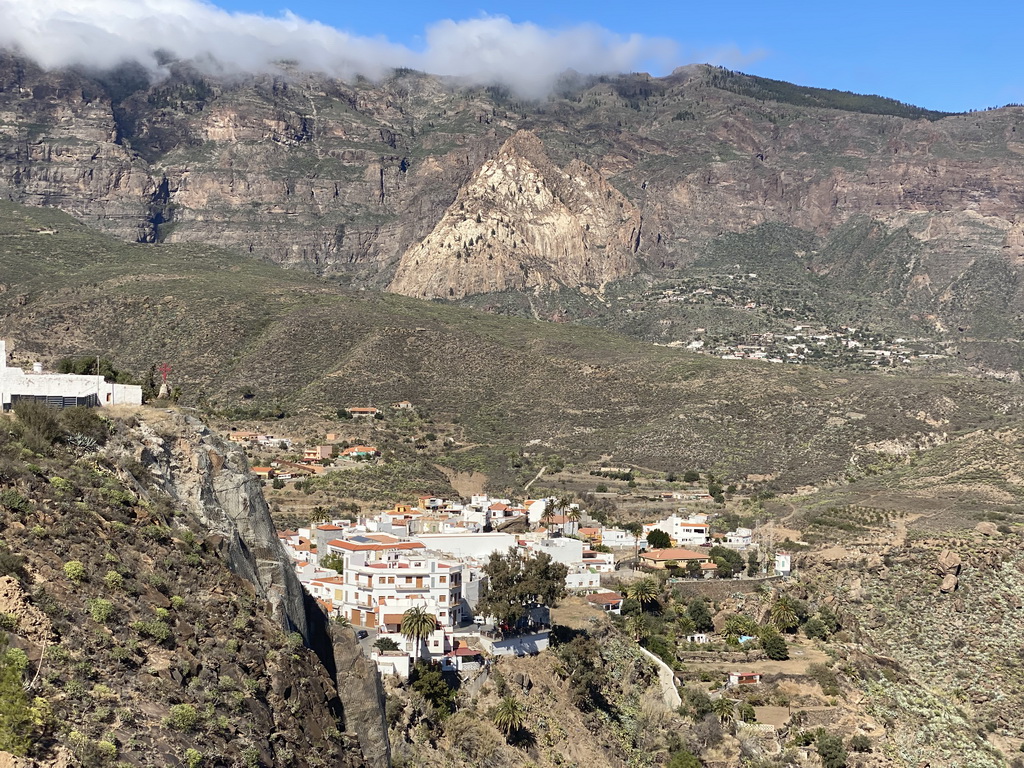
<point x="362" y="634"/>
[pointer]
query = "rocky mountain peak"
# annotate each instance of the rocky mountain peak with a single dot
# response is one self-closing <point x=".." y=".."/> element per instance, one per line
<point x="523" y="222"/>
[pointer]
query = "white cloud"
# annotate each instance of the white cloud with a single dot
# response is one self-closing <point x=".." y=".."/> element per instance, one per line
<point x="490" y="49"/>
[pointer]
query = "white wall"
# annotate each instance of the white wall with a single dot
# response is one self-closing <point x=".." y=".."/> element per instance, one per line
<point x="475" y="545"/>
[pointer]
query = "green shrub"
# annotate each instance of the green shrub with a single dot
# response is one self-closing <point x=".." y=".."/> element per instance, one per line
<point x="183" y="717"/>
<point x="75" y="570"/>
<point x="10" y="563"/>
<point x="62" y="486"/>
<point x="157" y="630"/>
<point x="100" y="610"/>
<point x="113" y="580"/>
<point x="8" y="622"/>
<point x="193" y="758"/>
<point x="861" y="742"/>
<point x="177" y="602"/>
<point x="14" y="501"/>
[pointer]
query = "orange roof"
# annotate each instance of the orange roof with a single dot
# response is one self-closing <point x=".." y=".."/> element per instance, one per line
<point x="605" y="598"/>
<point x="329" y="580"/>
<point x="708" y="566"/>
<point x="353" y="547"/>
<point x="329" y="527"/>
<point x="589" y="531"/>
<point x="674" y="553"/>
<point x="262" y="469"/>
<point x="391" y="618"/>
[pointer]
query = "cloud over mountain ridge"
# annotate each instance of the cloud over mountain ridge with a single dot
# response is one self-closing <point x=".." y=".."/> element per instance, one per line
<point x="102" y="34"/>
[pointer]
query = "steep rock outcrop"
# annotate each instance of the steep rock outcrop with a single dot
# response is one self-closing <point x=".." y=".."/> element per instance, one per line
<point x="210" y="479"/>
<point x="522" y="223"/>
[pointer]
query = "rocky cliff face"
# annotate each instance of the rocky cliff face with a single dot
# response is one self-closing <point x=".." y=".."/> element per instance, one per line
<point x="365" y="180"/>
<point x="155" y="616"/>
<point x="524" y="223"/>
<point x="210" y="479"/>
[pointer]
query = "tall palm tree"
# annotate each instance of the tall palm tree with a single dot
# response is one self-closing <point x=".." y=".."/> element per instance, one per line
<point x="417" y="625"/>
<point x="638" y="627"/>
<point x="723" y="709"/>
<point x="645" y="591"/>
<point x="509" y="716"/>
<point x="783" y="613"/>
<point x="550" y="507"/>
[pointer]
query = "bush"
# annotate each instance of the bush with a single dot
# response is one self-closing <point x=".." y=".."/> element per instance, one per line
<point x="100" y="610"/>
<point x="860" y="742"/>
<point x="193" y="758"/>
<point x="774" y="645"/>
<point x="385" y="644"/>
<point x="14" y="501"/>
<point x="8" y="622"/>
<point x="75" y="571"/>
<point x="830" y="750"/>
<point x="183" y="717"/>
<point x="683" y="759"/>
<point x="157" y="630"/>
<point x="113" y="580"/>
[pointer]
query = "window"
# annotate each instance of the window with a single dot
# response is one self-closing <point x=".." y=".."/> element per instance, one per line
<point x="380" y="580"/>
<point x="444" y="579"/>
<point x="391" y="579"/>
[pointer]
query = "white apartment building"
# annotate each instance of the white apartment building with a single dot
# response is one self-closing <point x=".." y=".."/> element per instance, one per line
<point x="683" y="531"/>
<point x="381" y="576"/>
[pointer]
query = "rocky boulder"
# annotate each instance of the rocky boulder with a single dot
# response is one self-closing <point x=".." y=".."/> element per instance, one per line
<point x="948" y="563"/>
<point x="949" y="583"/>
<point x="987" y="529"/>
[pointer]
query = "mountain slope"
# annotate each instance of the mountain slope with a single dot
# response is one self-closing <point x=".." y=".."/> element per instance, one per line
<point x="250" y="336"/>
<point x="354" y="178"/>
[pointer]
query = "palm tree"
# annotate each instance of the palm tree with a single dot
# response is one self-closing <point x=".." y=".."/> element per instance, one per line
<point x="550" y="506"/>
<point x="509" y="716"/>
<point x="723" y="708"/>
<point x="417" y="625"/>
<point x="783" y="613"/>
<point x="637" y="627"/>
<point x="645" y="591"/>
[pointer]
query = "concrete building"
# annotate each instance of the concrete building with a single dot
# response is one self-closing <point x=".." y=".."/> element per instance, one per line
<point x="379" y="578"/>
<point x="476" y="546"/>
<point x="683" y="531"/>
<point x="60" y="390"/>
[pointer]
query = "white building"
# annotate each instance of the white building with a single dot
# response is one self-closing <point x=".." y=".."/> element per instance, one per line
<point x="383" y="579"/>
<point x="60" y="390"/>
<point x="741" y="538"/>
<point x="475" y="546"/>
<point x="690" y="531"/>
<point x="783" y="563"/>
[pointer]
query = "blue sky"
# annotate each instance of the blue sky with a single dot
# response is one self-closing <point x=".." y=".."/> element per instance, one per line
<point x="936" y="54"/>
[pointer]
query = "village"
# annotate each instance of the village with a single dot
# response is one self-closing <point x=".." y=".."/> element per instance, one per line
<point x="430" y="557"/>
<point x="817" y="343"/>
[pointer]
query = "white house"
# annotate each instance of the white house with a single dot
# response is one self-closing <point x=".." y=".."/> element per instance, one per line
<point x="783" y="563"/>
<point x="683" y="531"/>
<point x="741" y="538"/>
<point x="60" y="390"/>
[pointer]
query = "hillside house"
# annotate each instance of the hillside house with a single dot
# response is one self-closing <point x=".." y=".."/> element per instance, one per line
<point x="60" y="390"/>
<point x="659" y="558"/>
<point x="360" y="452"/>
<point x="362" y="412"/>
<point x="317" y="453"/>
<point x="743" y="678"/>
<point x="609" y="602"/>
<point x="683" y="531"/>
